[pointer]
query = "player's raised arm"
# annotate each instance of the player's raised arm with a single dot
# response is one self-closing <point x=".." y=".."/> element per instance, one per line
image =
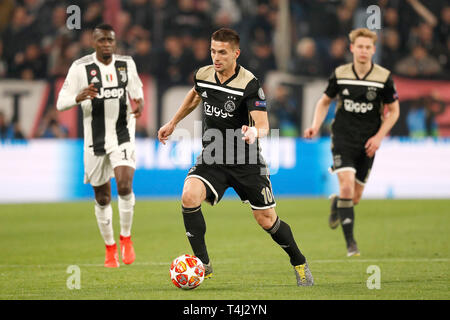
<point x="190" y="102"/>
<point x="70" y="94"/>
<point x="259" y="130"/>
<point x="320" y="113"/>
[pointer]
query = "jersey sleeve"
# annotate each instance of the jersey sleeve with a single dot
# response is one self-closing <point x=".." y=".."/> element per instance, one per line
<point x="255" y="98"/>
<point x="196" y="87"/>
<point x="389" y="93"/>
<point x="134" y="85"/>
<point x="332" y="88"/>
<point x="70" y="89"/>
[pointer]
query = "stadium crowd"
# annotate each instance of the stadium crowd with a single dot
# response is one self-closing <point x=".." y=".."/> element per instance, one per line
<point x="169" y="40"/>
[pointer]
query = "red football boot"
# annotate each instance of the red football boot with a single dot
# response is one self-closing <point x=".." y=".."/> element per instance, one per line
<point x="127" y="250"/>
<point x="111" y="256"/>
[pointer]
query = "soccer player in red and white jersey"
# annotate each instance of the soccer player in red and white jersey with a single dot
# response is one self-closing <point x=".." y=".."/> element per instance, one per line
<point x="102" y="83"/>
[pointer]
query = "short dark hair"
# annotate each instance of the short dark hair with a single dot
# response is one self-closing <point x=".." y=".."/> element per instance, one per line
<point x="226" y="35"/>
<point x="105" y="27"/>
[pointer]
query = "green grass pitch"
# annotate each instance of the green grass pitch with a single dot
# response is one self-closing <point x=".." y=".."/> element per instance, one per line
<point x="408" y="240"/>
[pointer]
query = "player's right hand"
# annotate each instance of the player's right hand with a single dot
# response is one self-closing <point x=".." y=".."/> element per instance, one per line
<point x="310" y="133"/>
<point x="165" y="131"/>
<point x="90" y="92"/>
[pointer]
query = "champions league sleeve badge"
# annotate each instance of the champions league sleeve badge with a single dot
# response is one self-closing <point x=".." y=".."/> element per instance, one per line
<point x="261" y="94"/>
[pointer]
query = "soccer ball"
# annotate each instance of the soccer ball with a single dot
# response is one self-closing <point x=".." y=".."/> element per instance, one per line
<point x="187" y="272"/>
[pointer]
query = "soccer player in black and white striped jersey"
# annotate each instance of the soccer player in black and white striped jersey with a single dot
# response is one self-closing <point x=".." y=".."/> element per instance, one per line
<point x="102" y="83"/>
<point x="364" y="89"/>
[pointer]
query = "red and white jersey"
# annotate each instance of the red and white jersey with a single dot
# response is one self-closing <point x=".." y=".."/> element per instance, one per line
<point x="107" y="118"/>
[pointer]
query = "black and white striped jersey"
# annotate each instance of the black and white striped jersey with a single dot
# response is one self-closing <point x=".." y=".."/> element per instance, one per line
<point x="360" y="103"/>
<point x="107" y="118"/>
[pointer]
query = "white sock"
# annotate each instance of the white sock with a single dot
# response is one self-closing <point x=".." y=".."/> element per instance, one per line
<point x="126" y="210"/>
<point x="104" y="216"/>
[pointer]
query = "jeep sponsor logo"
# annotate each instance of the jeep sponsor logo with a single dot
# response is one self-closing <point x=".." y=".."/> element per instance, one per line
<point x="352" y="106"/>
<point x="215" y="111"/>
<point x="110" y="93"/>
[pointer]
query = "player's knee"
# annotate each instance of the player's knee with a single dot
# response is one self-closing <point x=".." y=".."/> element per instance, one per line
<point x="124" y="188"/>
<point x="103" y="199"/>
<point x="265" y="218"/>
<point x="190" y="199"/>
<point x="346" y="191"/>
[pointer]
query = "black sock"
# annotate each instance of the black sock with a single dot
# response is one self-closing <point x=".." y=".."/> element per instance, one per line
<point x="347" y="217"/>
<point x="281" y="233"/>
<point x="195" y="226"/>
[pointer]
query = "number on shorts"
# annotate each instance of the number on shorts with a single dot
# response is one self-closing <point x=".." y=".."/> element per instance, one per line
<point x="267" y="194"/>
<point x="124" y="154"/>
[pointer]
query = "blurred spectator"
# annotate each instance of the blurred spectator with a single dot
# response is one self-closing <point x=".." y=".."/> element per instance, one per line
<point x="62" y="56"/>
<point x="390" y="48"/>
<point x="261" y="60"/>
<point x="9" y="131"/>
<point x="15" y="38"/>
<point x="86" y="43"/>
<point x="6" y="10"/>
<point x="4" y="127"/>
<point x="57" y="30"/>
<point x="227" y="13"/>
<point x="443" y="28"/>
<point x="92" y="15"/>
<point x="50" y="126"/>
<point x="3" y="64"/>
<point x="422" y="35"/>
<point x="344" y="16"/>
<point x="161" y="15"/>
<point x="40" y="12"/>
<point x="283" y="112"/>
<point x="321" y="17"/>
<point x="140" y="12"/>
<point x="145" y="58"/>
<point x="260" y="25"/>
<point x="187" y="19"/>
<point x="201" y="53"/>
<point x="418" y="63"/>
<point x="174" y="63"/>
<point x="337" y="54"/>
<point x="421" y="118"/>
<point x="390" y="17"/>
<point x="132" y="36"/>
<point x="306" y="61"/>
<point x="170" y="39"/>
<point x="33" y="62"/>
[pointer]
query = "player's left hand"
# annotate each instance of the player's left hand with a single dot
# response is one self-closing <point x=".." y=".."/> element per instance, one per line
<point x="140" y="106"/>
<point x="250" y="134"/>
<point x="372" y="146"/>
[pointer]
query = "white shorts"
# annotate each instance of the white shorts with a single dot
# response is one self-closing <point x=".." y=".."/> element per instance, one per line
<point x="98" y="170"/>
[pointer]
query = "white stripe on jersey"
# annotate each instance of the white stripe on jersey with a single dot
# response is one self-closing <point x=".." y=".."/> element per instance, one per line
<point x="206" y="85"/>
<point x="361" y="83"/>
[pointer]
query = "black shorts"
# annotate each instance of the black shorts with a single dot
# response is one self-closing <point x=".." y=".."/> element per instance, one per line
<point x="353" y="158"/>
<point x="250" y="181"/>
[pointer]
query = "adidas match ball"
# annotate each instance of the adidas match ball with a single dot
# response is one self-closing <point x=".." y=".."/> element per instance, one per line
<point x="187" y="272"/>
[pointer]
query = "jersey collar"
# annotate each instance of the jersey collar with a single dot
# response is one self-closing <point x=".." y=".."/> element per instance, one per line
<point x="236" y="72"/>
<point x="365" y="76"/>
<point x="113" y="60"/>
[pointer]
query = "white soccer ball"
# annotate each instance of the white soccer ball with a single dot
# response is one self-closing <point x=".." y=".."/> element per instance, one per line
<point x="187" y="272"/>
